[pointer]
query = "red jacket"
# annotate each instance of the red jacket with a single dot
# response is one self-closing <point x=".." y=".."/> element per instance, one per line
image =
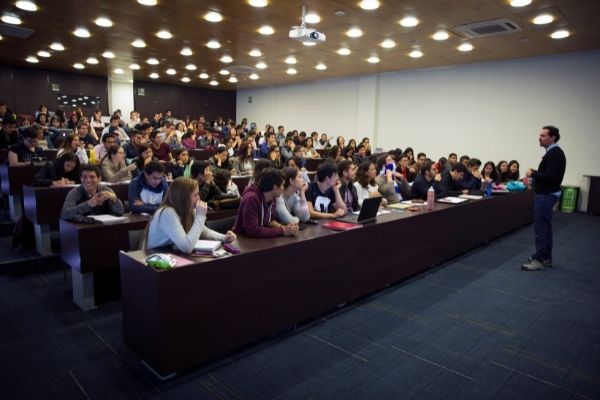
<point x="255" y="215"/>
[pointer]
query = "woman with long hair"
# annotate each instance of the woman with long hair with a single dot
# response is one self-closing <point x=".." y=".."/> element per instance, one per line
<point x="73" y="144"/>
<point x="489" y="173"/>
<point x="309" y="150"/>
<point x="181" y="218"/>
<point x="513" y="170"/>
<point x="114" y="169"/>
<point x="503" y="171"/>
<point x="291" y="206"/>
<point x="244" y="163"/>
<point x="365" y="182"/>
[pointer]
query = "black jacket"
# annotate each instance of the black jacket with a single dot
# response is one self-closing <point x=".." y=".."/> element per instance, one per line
<point x="352" y="188"/>
<point x="53" y="171"/>
<point x="420" y="187"/>
<point x="550" y="173"/>
<point x="448" y="186"/>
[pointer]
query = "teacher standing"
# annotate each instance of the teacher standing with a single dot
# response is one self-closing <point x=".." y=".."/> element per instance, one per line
<point x="546" y="183"/>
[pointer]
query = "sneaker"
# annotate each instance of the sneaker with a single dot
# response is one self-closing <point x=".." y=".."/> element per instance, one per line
<point x="532" y="265"/>
<point x="547" y="263"/>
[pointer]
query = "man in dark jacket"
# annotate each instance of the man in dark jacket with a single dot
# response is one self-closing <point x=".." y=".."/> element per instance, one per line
<point x="449" y="185"/>
<point x="546" y="183"/>
<point x="148" y="190"/>
<point x="347" y="174"/>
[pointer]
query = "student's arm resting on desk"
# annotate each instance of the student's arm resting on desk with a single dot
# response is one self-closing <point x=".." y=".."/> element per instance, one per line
<point x="136" y="205"/>
<point x="71" y="208"/>
<point x="251" y="224"/>
<point x="168" y="223"/>
<point x="283" y="214"/>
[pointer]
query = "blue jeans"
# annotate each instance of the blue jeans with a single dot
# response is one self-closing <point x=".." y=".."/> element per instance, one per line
<point x="542" y="219"/>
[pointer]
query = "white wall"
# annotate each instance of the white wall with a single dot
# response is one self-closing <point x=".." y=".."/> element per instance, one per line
<point x="492" y="111"/>
<point x="120" y="96"/>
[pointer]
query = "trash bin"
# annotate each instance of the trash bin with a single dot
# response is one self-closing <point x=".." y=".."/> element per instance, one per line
<point x="569" y="198"/>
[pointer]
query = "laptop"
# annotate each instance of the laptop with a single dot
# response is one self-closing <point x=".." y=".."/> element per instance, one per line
<point x="368" y="211"/>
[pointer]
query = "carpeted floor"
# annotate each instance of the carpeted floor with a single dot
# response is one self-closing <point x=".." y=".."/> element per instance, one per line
<point x="476" y="327"/>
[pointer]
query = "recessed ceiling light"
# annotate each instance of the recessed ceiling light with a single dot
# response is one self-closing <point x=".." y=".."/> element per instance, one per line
<point x="258" y="3"/>
<point x="11" y="19"/>
<point x="92" y="60"/>
<point x="543" y="19"/>
<point x="164" y="34"/>
<point x="416" y="54"/>
<point x="560" y="34"/>
<point x="312" y="18"/>
<point x="190" y="67"/>
<point x="214" y="83"/>
<point x="465" y="47"/>
<point x="1" y="37"/>
<point x="203" y="75"/>
<point x="108" y="54"/>
<point x="224" y="72"/>
<point x="409" y="22"/>
<point x="309" y="44"/>
<point x="78" y="66"/>
<point x="290" y="60"/>
<point x="255" y="53"/>
<point x="32" y="59"/>
<point x="369" y="4"/>
<point x="321" y="67"/>
<point x="232" y="79"/>
<point x="354" y="32"/>
<point x="266" y="30"/>
<point x="26" y="5"/>
<point x="373" y="60"/>
<point x="185" y="79"/>
<point x="43" y="53"/>
<point x="152" y="61"/>
<point x="134" y="66"/>
<point x="82" y="33"/>
<point x="520" y="3"/>
<point x="254" y="76"/>
<point x="291" y="71"/>
<point x="147" y="2"/>
<point x="213" y="44"/>
<point x="226" y="59"/>
<point x="171" y="71"/>
<point x="440" y="35"/>
<point x="103" y="22"/>
<point x="119" y="71"/>
<point x="213" y="16"/>
<point x="139" y="43"/>
<point x="186" y="51"/>
<point x="261" y="65"/>
<point x="388" y="44"/>
<point x="343" y="51"/>
<point x="153" y="75"/>
<point x="57" y="47"/>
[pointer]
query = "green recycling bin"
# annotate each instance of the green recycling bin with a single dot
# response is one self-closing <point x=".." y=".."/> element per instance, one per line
<point x="569" y="198"/>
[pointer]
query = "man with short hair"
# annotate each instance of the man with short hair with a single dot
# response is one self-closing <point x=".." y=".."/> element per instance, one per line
<point x="323" y="197"/>
<point x="452" y="159"/>
<point x="360" y="155"/>
<point x="264" y="147"/>
<point x="91" y="197"/>
<point x="108" y="139"/>
<point x="280" y="137"/>
<point x="449" y="181"/>
<point x="148" y="190"/>
<point x="464" y="160"/>
<point x="23" y="153"/>
<point x="115" y="119"/>
<point x="257" y="213"/>
<point x="472" y="179"/>
<point x="6" y="113"/>
<point x="428" y="177"/>
<point x="347" y="175"/>
<point x="421" y="157"/>
<point x="546" y="184"/>
<point x="287" y="150"/>
<point x="132" y="148"/>
<point x="9" y="134"/>
<point x="84" y="135"/>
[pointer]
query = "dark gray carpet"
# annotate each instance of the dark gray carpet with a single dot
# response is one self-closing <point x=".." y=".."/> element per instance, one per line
<point x="474" y="328"/>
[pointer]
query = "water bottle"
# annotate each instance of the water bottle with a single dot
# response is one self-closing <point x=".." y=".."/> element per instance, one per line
<point x="430" y="197"/>
<point x="488" y="189"/>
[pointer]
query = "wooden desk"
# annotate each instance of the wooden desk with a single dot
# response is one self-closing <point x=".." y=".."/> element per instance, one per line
<point x="175" y="319"/>
<point x="44" y="204"/>
<point x="50" y="154"/>
<point x="89" y="248"/>
<point x="200" y="154"/>
<point x="311" y="164"/>
<point x="593" y="205"/>
<point x="12" y="180"/>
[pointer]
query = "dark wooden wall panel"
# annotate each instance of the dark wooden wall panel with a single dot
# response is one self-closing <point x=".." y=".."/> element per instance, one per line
<point x="24" y="89"/>
<point x="184" y="100"/>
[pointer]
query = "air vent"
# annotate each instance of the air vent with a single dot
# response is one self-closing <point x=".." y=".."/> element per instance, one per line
<point x="240" y="69"/>
<point x="488" y="28"/>
<point x="15" y="31"/>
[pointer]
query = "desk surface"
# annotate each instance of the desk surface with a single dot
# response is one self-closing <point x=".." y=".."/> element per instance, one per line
<point x="216" y="305"/>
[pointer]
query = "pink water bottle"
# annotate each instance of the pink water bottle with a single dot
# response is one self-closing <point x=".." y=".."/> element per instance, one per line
<point x="430" y="198"/>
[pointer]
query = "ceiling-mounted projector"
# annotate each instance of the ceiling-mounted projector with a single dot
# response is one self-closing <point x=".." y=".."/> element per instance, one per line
<point x="304" y="34"/>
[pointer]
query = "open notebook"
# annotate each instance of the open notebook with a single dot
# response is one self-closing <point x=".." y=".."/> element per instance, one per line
<point x="207" y="245"/>
<point x="107" y="218"/>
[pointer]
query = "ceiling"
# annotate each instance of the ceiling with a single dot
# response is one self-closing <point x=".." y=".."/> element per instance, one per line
<point x="55" y="21"/>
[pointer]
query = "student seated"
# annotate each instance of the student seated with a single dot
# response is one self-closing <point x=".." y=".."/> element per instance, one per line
<point x="148" y="190"/>
<point x="513" y="171"/>
<point x="503" y="171"/>
<point x="220" y="159"/>
<point x="113" y="166"/>
<point x="257" y="213"/>
<point x="74" y="144"/>
<point x="225" y="183"/>
<point x="472" y="178"/>
<point x="91" y="197"/>
<point x="365" y="182"/>
<point x="23" y="153"/>
<point x="323" y="196"/>
<point x="180" y="221"/>
<point x="183" y="166"/>
<point x="390" y="184"/>
<point x="244" y="163"/>
<point x="428" y="177"/>
<point x="347" y="174"/>
<point x="60" y="172"/>
<point x="449" y="185"/>
<point x="209" y="192"/>
<point x="144" y="158"/>
<point x="291" y="205"/>
<point x="490" y="173"/>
